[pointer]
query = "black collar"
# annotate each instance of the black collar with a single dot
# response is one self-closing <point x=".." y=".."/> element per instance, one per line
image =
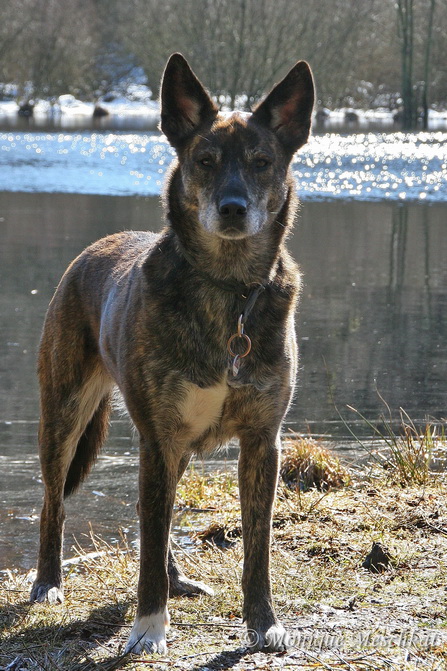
<point x="248" y="292"/>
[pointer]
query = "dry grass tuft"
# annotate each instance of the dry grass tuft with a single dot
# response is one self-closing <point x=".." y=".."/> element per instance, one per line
<point x="307" y="463"/>
<point x="409" y="454"/>
<point x="222" y="535"/>
<point x="204" y="491"/>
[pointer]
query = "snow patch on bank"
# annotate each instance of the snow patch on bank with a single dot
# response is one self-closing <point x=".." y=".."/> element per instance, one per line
<point x="67" y="109"/>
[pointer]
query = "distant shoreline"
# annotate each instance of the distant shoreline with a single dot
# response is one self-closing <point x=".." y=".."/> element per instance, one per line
<point x="124" y="113"/>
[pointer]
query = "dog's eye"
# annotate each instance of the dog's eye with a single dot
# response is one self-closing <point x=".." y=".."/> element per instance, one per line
<point x="206" y="161"/>
<point x="261" y="163"/>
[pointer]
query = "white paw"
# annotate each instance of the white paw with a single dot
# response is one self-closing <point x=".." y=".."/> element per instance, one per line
<point x="44" y="592"/>
<point x="149" y="633"/>
<point x="276" y="639"/>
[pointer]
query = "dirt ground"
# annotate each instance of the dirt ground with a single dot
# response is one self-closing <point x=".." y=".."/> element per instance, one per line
<point x="340" y="612"/>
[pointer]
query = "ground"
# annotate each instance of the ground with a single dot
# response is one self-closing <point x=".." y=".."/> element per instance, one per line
<point x="339" y="614"/>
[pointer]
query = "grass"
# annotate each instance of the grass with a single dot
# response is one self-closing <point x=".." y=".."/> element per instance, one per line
<point x="307" y="463"/>
<point x="339" y="615"/>
<point x="408" y="454"/>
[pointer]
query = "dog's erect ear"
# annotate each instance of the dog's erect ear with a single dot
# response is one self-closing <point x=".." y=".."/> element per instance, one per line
<point x="287" y="110"/>
<point x="185" y="104"/>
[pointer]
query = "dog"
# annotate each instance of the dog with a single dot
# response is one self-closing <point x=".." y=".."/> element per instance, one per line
<point x="195" y="326"/>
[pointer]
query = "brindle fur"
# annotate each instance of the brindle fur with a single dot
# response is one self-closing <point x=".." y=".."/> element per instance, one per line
<point x="150" y="314"/>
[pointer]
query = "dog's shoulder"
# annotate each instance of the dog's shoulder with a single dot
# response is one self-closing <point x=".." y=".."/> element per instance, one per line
<point x="124" y="243"/>
<point x="113" y="254"/>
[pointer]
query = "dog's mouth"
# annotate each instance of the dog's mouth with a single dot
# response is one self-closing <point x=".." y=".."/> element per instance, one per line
<point x="228" y="227"/>
<point x="232" y="232"/>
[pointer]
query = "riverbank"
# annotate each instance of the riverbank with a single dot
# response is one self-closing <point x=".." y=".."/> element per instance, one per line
<point x="339" y="613"/>
<point x="143" y="112"/>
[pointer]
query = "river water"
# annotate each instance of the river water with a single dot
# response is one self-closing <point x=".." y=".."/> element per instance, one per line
<point x="373" y="314"/>
<point x="364" y="166"/>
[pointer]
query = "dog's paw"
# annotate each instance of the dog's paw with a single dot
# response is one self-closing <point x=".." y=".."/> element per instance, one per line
<point x="272" y="640"/>
<point x="46" y="592"/>
<point x="275" y="639"/>
<point x="183" y="586"/>
<point x="149" y="633"/>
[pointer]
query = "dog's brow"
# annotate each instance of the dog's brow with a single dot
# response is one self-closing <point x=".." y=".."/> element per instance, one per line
<point x="210" y="149"/>
<point x="258" y="151"/>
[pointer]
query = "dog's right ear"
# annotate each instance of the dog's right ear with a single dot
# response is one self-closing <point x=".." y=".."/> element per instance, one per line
<point x="185" y="105"/>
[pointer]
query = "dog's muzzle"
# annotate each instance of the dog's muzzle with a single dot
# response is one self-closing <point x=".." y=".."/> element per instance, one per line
<point x="232" y="215"/>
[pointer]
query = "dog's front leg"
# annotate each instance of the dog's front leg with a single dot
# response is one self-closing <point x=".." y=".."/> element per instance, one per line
<point x="157" y="484"/>
<point x="258" y="476"/>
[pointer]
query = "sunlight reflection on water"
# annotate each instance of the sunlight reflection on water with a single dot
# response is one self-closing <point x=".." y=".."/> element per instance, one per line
<point x="363" y="166"/>
<point x="374" y="166"/>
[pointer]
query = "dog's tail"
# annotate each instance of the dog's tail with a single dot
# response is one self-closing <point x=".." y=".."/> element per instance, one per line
<point x="89" y="446"/>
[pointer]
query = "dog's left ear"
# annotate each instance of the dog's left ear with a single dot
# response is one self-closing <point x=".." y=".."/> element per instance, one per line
<point x="185" y="104"/>
<point x="287" y="110"/>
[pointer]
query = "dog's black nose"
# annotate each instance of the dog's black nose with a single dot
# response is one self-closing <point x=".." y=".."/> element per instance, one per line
<point x="233" y="207"/>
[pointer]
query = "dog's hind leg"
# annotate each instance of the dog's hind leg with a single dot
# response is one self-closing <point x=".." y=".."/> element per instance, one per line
<point x="73" y="426"/>
<point x="258" y="476"/>
<point x="179" y="584"/>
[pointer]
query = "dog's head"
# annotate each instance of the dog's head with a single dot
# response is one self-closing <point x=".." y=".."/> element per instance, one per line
<point x="234" y="168"/>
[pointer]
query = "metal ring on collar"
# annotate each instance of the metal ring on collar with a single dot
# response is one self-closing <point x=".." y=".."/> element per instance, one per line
<point x="247" y="340"/>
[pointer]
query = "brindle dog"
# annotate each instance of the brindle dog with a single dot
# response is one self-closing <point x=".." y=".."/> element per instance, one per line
<point x="195" y="326"/>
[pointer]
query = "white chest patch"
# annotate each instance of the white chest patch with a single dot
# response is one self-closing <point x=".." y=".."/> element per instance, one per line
<point x="202" y="408"/>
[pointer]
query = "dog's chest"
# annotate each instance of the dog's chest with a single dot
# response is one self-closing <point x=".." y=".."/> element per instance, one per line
<point x="202" y="408"/>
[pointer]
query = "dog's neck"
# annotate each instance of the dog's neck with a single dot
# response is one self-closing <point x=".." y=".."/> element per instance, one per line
<point x="231" y="285"/>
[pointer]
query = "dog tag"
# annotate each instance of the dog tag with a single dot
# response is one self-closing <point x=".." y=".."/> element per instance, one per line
<point x="236" y="365"/>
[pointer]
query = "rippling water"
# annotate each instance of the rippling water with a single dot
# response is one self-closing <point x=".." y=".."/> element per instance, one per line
<point x="369" y="166"/>
<point x="396" y="166"/>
